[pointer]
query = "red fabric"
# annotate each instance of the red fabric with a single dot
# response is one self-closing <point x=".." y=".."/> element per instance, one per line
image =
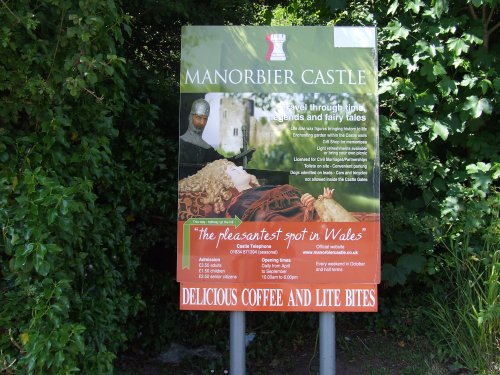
<point x="270" y="203"/>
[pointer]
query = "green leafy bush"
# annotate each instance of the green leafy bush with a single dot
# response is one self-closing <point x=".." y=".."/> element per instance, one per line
<point x="65" y="249"/>
<point x="437" y="92"/>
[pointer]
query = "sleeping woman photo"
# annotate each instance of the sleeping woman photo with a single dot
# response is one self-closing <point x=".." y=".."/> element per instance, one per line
<point x="222" y="189"/>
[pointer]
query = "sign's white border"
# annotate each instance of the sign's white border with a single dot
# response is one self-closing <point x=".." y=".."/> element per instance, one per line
<point x="354" y="37"/>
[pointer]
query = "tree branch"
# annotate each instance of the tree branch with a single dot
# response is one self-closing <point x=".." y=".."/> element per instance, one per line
<point x="57" y="44"/>
<point x="472" y="12"/>
<point x="11" y="12"/>
<point x="491" y="15"/>
<point x="493" y="28"/>
<point x="7" y="366"/>
<point x="99" y="98"/>
<point x="14" y="342"/>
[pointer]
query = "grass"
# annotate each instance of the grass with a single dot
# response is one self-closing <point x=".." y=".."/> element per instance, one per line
<point x="467" y="319"/>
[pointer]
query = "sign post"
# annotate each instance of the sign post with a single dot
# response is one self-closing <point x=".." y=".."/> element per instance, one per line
<point x="279" y="174"/>
<point x="237" y="343"/>
<point x="327" y="343"/>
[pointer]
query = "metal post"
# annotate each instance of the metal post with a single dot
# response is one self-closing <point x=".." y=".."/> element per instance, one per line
<point x="237" y="343"/>
<point x="326" y="343"/>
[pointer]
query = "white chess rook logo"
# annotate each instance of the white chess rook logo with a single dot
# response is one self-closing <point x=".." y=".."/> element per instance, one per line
<point x="278" y="54"/>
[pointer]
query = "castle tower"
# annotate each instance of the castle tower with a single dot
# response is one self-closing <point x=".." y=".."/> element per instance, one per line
<point x="234" y="125"/>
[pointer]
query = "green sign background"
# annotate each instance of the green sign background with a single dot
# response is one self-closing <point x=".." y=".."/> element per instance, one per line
<point x="309" y="49"/>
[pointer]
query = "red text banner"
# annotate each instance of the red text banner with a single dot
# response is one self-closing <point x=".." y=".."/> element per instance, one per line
<point x="279" y="297"/>
<point x="291" y="252"/>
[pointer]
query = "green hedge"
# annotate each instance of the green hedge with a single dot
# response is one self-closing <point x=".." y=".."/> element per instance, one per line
<point x="65" y="251"/>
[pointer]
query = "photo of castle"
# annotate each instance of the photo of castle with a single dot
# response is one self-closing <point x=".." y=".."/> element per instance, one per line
<point x="239" y="125"/>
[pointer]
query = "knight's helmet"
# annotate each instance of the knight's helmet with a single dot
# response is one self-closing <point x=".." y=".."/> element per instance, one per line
<point x="200" y="107"/>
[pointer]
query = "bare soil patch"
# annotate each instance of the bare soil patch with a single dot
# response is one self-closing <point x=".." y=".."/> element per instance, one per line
<point x="357" y="353"/>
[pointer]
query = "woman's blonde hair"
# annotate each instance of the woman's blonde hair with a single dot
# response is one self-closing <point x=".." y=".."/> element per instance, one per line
<point x="214" y="181"/>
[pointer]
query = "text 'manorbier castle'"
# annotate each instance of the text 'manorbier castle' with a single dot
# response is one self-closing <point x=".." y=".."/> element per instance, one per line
<point x="276" y="77"/>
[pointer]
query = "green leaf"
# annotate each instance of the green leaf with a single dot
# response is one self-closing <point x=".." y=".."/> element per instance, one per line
<point x="397" y="31"/>
<point x="109" y="70"/>
<point x="438" y="69"/>
<point x="451" y="207"/>
<point x="447" y="86"/>
<point x="471" y="37"/>
<point x="336" y="4"/>
<point x="441" y="130"/>
<point x="85" y="36"/>
<point x="19" y="261"/>
<point x="393" y="275"/>
<point x="396" y="60"/>
<point x="42" y="267"/>
<point x="477" y="106"/>
<point x="53" y="248"/>
<point x="428" y="196"/>
<point x="496" y="84"/>
<point x="127" y="29"/>
<point x="411" y="262"/>
<point x="392" y="9"/>
<point x="485" y="85"/>
<point x="386" y="85"/>
<point x="426" y="102"/>
<point x="457" y="46"/>
<point x="426" y="176"/>
<point x="427" y="70"/>
<point x="389" y="125"/>
<point x="14" y="239"/>
<point x="64" y="207"/>
<point x="414" y="6"/>
<point x="91" y="78"/>
<point x="26" y="250"/>
<point x="440" y="7"/>
<point x="52" y="216"/>
<point x="468" y="81"/>
<point x="481" y="184"/>
<point x="39" y="260"/>
<point x="496" y="171"/>
<point x="72" y="31"/>
<point x="478" y="167"/>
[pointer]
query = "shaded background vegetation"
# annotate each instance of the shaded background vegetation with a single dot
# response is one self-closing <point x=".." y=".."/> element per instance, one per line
<point x="88" y="146"/>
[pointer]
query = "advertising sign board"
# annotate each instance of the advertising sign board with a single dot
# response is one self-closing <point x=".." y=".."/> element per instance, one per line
<point x="278" y="169"/>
